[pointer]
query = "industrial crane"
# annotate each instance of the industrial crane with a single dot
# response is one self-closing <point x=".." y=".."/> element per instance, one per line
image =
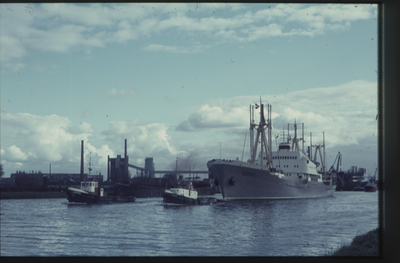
<point x="339" y="162"/>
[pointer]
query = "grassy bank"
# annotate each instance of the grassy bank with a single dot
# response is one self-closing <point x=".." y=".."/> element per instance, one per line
<point x="366" y="245"/>
<point x="32" y="195"/>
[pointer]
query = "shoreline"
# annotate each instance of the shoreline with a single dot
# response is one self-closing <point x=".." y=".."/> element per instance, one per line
<point x="32" y="195"/>
<point x="364" y="245"/>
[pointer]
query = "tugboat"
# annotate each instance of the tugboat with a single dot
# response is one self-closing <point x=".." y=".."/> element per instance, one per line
<point x="89" y="193"/>
<point x="186" y="195"/>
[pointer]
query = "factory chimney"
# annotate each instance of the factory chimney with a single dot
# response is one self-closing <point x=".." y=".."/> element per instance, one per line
<point x="82" y="162"/>
<point x="126" y="163"/>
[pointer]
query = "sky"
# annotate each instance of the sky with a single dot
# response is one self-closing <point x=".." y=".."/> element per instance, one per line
<point x="176" y="81"/>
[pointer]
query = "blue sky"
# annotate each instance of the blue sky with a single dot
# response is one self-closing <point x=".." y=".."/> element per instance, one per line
<point x="176" y="80"/>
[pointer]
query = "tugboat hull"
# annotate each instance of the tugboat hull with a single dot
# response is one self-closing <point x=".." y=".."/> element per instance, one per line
<point x="185" y="196"/>
<point x="87" y="198"/>
<point x="178" y="199"/>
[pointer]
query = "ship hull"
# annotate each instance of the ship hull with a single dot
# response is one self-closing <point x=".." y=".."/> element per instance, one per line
<point x="87" y="198"/>
<point x="369" y="188"/>
<point x="239" y="180"/>
<point x="178" y="199"/>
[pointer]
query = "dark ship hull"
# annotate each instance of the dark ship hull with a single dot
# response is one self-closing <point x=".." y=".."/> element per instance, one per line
<point x="178" y="199"/>
<point x="369" y="188"/>
<point x="171" y="198"/>
<point x="80" y="196"/>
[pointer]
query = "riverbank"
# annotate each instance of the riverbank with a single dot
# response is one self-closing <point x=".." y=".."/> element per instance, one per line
<point x="32" y="194"/>
<point x="366" y="245"/>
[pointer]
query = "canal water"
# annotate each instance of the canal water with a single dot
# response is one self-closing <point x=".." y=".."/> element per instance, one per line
<point x="313" y="227"/>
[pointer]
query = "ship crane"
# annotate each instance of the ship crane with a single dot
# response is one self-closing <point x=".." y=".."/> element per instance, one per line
<point x="374" y="177"/>
<point x="321" y="150"/>
<point x="339" y="163"/>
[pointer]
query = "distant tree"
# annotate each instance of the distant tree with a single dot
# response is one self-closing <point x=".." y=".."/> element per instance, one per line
<point x="1" y="170"/>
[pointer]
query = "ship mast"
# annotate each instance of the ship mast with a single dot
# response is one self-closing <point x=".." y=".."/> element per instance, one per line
<point x="296" y="140"/>
<point x="265" y="140"/>
<point x="252" y="126"/>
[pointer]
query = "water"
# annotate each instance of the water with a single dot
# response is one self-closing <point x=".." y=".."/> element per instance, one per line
<point x="52" y="227"/>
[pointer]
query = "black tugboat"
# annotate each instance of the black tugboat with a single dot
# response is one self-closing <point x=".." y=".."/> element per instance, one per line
<point x="186" y="196"/>
<point x="90" y="193"/>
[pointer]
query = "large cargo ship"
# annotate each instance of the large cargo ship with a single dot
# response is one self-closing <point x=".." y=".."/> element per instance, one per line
<point x="288" y="173"/>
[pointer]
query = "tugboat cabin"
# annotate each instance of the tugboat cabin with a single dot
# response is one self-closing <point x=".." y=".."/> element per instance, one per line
<point x="92" y="187"/>
<point x="89" y="186"/>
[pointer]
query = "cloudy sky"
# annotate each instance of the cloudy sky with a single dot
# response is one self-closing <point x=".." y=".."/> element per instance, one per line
<point x="176" y="80"/>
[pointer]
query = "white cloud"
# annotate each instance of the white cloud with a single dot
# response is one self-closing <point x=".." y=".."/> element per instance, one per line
<point x="143" y="139"/>
<point x="209" y="117"/>
<point x="97" y="156"/>
<point x="346" y="113"/>
<point x="317" y="19"/>
<point x="62" y="27"/>
<point x="46" y="137"/>
<point x="15" y="154"/>
<point x="174" y="49"/>
<point x="34" y="140"/>
<point x="82" y="128"/>
<point x="254" y="33"/>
